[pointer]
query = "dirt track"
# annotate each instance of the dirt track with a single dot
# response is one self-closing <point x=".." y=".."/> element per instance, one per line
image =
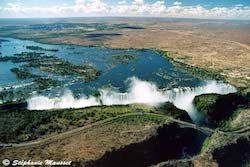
<point x="73" y="132"/>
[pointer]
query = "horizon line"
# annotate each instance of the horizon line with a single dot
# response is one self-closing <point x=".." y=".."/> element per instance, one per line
<point x="139" y="17"/>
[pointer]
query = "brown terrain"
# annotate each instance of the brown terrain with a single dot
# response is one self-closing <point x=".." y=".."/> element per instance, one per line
<point x="88" y="143"/>
<point x="221" y="46"/>
<point x="215" y="45"/>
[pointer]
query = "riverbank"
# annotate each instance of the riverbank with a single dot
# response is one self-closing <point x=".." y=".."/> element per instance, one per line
<point x="220" y="46"/>
<point x="192" y="47"/>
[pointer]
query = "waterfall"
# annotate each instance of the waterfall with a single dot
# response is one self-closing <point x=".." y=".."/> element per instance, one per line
<point x="138" y="92"/>
<point x="183" y="97"/>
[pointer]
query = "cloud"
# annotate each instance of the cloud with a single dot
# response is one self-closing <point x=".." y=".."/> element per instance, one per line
<point x="177" y="3"/>
<point x="124" y="8"/>
<point x="90" y="6"/>
<point x="239" y="5"/>
<point x="122" y="2"/>
<point x="14" y="7"/>
<point x="138" y="2"/>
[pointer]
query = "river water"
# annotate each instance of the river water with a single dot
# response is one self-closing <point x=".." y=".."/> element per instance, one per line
<point x="149" y="79"/>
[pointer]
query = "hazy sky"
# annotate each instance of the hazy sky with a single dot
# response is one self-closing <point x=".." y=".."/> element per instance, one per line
<point x="222" y="9"/>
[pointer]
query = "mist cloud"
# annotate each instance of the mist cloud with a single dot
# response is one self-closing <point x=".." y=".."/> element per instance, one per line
<point x="67" y="100"/>
<point x="138" y="92"/>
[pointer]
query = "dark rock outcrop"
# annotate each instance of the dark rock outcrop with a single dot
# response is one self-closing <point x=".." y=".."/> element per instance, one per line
<point x="176" y="163"/>
<point x="14" y="106"/>
<point x="168" y="108"/>
<point x="233" y="154"/>
<point x="219" y="107"/>
<point x="167" y="144"/>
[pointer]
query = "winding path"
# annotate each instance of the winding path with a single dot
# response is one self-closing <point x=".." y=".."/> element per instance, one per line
<point x="70" y="133"/>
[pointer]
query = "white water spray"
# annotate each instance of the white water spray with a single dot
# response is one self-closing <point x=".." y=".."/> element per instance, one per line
<point x="138" y="92"/>
<point x="67" y="100"/>
<point x="183" y="97"/>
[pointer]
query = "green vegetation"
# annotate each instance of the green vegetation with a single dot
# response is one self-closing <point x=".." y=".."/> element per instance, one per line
<point x="169" y="109"/>
<point x="166" y="142"/>
<point x="45" y="83"/>
<point x="142" y="49"/>
<point x="39" y="84"/>
<point x="7" y="95"/>
<point x="25" y="57"/>
<point x="43" y="33"/>
<point x="245" y="92"/>
<point x="18" y="125"/>
<point x="205" y="102"/>
<point x="195" y="71"/>
<point x="235" y="152"/>
<point x="22" y="73"/>
<point x="94" y="140"/>
<point x="219" y="107"/>
<point x="142" y="119"/>
<point x="124" y="58"/>
<point x="40" y="48"/>
<point x="161" y="73"/>
<point x="50" y="64"/>
<point x="13" y="94"/>
<point x="228" y="149"/>
<point x="205" y="144"/>
<point x="63" y="68"/>
<point x="24" y="125"/>
<point x="229" y="145"/>
<point x="238" y="120"/>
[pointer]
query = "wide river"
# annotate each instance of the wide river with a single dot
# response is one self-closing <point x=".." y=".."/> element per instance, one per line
<point x="147" y="78"/>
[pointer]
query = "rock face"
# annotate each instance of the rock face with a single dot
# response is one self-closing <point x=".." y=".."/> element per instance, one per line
<point x="233" y="154"/>
<point x="176" y="163"/>
<point x="167" y="144"/>
<point x="14" y="106"/>
<point x="168" y="108"/>
<point x="219" y="107"/>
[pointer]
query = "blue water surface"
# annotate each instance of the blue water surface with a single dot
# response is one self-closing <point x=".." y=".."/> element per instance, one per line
<point x="149" y="66"/>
